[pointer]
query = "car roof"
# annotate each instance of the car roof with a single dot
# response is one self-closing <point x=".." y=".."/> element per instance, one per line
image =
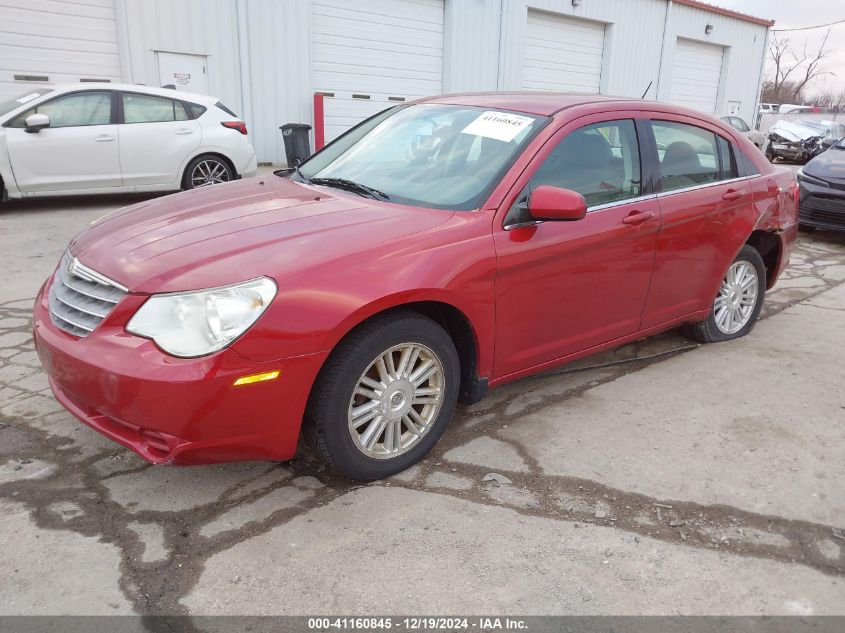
<point x="159" y="92"/>
<point x="539" y="103"/>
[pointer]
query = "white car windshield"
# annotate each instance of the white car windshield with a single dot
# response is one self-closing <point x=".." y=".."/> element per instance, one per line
<point x="430" y="155"/>
<point x="21" y="100"/>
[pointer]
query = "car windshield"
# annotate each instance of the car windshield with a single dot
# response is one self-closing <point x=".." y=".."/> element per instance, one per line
<point x="430" y="155"/>
<point x="17" y="102"/>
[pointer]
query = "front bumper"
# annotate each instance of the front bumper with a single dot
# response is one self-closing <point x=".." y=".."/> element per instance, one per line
<point x="821" y="207"/>
<point x="791" y="151"/>
<point x="173" y="410"/>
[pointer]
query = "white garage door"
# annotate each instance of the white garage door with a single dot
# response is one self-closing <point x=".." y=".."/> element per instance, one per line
<point x="48" y="42"/>
<point x="368" y="55"/>
<point x="696" y="71"/>
<point x="562" y="53"/>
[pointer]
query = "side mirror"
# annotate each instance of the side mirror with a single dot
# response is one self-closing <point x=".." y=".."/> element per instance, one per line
<point x="37" y="122"/>
<point x="556" y="204"/>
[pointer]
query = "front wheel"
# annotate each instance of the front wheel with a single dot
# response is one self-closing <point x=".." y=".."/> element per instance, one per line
<point x="770" y="154"/>
<point x="385" y="397"/>
<point x="738" y="302"/>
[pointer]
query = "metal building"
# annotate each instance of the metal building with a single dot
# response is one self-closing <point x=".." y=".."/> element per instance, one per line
<point x="266" y="59"/>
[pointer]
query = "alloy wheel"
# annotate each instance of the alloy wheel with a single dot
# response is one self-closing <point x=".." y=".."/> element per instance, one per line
<point x="396" y="400"/>
<point x="209" y="172"/>
<point x="734" y="305"/>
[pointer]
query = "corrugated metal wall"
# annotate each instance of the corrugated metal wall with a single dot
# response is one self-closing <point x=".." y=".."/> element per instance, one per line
<point x="196" y="27"/>
<point x="471" y="55"/>
<point x="745" y="47"/>
<point x="63" y="41"/>
<point x="632" y="42"/>
<point x="259" y="51"/>
<point x="276" y="62"/>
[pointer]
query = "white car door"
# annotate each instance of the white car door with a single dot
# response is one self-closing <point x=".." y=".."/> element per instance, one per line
<point x="156" y="137"/>
<point x="79" y="150"/>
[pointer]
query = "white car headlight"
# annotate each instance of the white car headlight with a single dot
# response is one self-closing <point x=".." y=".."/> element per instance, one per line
<point x="189" y="324"/>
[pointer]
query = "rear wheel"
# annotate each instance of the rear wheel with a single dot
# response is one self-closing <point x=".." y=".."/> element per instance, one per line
<point x="385" y="396"/>
<point x="207" y="170"/>
<point x="738" y="302"/>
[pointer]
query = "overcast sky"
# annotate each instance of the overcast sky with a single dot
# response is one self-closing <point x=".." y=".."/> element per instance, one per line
<point x="789" y="14"/>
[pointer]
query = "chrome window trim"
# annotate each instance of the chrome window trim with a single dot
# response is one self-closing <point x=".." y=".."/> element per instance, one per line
<point x="650" y="196"/>
<point x="702" y="186"/>
<point x="596" y="208"/>
<point x="618" y="203"/>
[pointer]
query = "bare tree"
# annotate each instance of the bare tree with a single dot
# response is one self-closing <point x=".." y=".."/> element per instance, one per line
<point x="783" y="93"/>
<point x="832" y="100"/>
<point x="793" y="71"/>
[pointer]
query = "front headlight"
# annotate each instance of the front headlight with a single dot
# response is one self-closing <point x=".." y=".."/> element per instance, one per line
<point x="803" y="176"/>
<point x="189" y="324"/>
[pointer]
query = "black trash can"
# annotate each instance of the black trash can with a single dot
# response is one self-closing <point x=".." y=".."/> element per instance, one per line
<point x="297" y="145"/>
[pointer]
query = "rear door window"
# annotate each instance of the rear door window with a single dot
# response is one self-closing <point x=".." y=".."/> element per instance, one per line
<point x="727" y="160"/>
<point x="139" y="108"/>
<point x="688" y="155"/>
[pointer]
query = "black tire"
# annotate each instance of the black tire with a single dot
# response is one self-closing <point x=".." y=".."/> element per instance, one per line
<point x="707" y="331"/>
<point x="213" y="162"/>
<point x="333" y="390"/>
<point x="770" y="154"/>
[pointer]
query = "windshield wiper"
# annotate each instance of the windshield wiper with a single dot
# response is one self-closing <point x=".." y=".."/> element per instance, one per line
<point x="350" y="185"/>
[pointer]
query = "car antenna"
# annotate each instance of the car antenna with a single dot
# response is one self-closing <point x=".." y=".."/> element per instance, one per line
<point x="647" y="89"/>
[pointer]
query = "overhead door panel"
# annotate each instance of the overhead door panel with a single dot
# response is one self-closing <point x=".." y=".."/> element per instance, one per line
<point x="62" y="41"/>
<point x="696" y="72"/>
<point x="562" y="53"/>
<point x="371" y="54"/>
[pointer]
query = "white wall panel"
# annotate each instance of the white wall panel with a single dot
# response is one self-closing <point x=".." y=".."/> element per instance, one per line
<point x="262" y="62"/>
<point x="632" y="49"/>
<point x="195" y="27"/>
<point x="65" y="41"/>
<point x="562" y="53"/>
<point x="276" y="68"/>
<point x="369" y="53"/>
<point x="696" y="75"/>
<point x="471" y="46"/>
<point x="744" y="45"/>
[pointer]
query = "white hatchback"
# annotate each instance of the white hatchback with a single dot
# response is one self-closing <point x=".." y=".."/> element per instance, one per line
<point x="114" y="138"/>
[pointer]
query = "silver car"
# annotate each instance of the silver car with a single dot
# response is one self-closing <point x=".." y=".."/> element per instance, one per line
<point x="755" y="136"/>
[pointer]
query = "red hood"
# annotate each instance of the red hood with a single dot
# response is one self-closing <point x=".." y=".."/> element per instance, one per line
<point x="242" y="230"/>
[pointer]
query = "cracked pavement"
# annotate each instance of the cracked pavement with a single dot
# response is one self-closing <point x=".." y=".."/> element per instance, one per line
<point x="660" y="478"/>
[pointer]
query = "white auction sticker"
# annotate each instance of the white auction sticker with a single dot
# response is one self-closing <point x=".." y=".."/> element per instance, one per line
<point x="502" y="126"/>
<point x="28" y="97"/>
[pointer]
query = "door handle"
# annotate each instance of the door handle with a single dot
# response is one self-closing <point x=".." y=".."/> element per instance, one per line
<point x="184" y="131"/>
<point x="733" y="194"/>
<point x="637" y="217"/>
<point x="772" y="187"/>
<point x="104" y="138"/>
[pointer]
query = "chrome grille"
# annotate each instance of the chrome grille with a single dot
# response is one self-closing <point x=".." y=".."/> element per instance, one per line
<point x="81" y="298"/>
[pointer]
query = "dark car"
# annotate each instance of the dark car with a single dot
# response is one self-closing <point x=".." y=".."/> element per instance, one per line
<point x="822" y="182"/>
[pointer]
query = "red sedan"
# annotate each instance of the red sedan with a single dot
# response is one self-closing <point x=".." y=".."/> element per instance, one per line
<point x="435" y="250"/>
